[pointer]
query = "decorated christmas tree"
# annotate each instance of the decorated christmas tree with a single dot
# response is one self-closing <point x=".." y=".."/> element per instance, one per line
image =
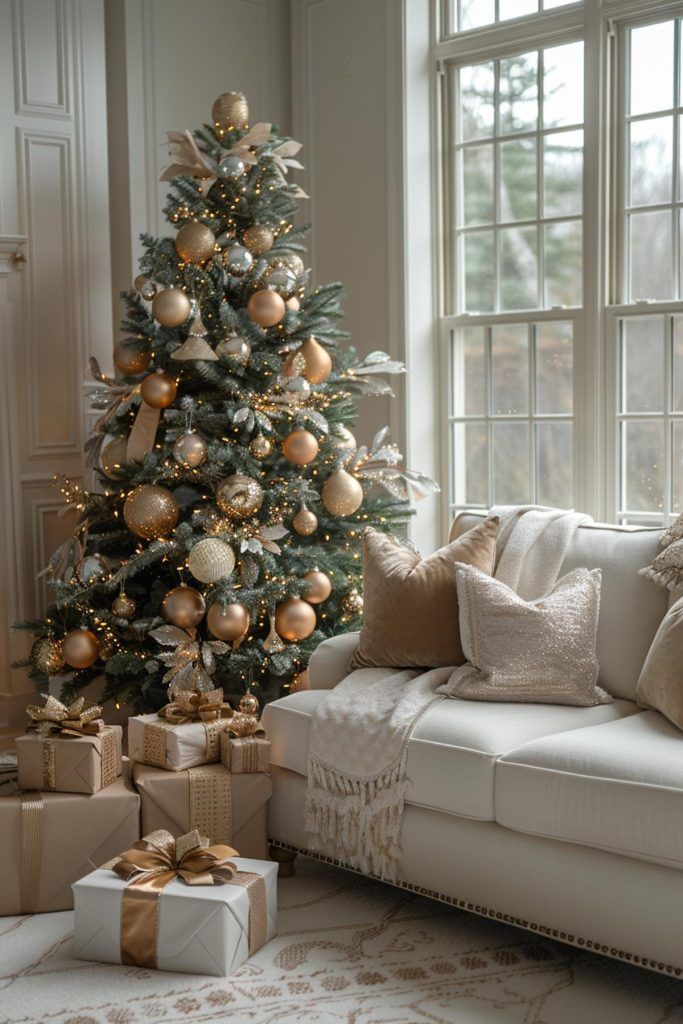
<point x="223" y="542"/>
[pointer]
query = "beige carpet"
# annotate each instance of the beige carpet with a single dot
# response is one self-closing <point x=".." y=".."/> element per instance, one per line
<point x="349" y="951"/>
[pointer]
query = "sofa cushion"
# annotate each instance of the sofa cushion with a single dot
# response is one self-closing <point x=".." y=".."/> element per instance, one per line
<point x="453" y="750"/>
<point x="631" y="606"/>
<point x="617" y="786"/>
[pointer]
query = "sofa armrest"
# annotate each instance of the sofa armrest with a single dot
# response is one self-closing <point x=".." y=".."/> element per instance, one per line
<point x="329" y="662"/>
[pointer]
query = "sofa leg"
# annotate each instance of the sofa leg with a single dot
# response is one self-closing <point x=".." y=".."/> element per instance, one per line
<point x="285" y="861"/>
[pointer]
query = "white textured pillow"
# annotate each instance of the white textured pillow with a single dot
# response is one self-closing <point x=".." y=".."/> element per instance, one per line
<point x="540" y="652"/>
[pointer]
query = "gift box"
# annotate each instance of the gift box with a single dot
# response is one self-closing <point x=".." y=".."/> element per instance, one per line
<point x="242" y="754"/>
<point x="183" y="734"/>
<point x="231" y="809"/>
<point x="49" y="840"/>
<point x="70" y="764"/>
<point x="179" y="908"/>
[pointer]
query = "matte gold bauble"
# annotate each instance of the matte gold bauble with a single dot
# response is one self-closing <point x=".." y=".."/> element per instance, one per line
<point x="300" y="682"/>
<point x="195" y="243"/>
<point x="114" y="456"/>
<point x="294" y="619"/>
<point x="210" y="560"/>
<point x="249" y="704"/>
<point x="317" y="362"/>
<point x="261" y="447"/>
<point x="46" y="656"/>
<point x="171" y="307"/>
<point x="300" y="447"/>
<point x="239" y="496"/>
<point x="150" y="511"/>
<point x="80" y="648"/>
<point x="258" y="239"/>
<point x="184" y="607"/>
<point x="344" y="439"/>
<point x="352" y="603"/>
<point x="123" y="606"/>
<point x="228" y="623"/>
<point x="305" y="522"/>
<point x="130" y="361"/>
<point x="266" y="307"/>
<point x="342" y="494"/>
<point x="159" y="390"/>
<point x="319" y="587"/>
<point x="189" y="450"/>
<point x="230" y="110"/>
<point x="293" y="303"/>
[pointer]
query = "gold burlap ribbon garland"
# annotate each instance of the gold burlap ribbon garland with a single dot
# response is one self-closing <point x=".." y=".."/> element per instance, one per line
<point x="75" y="720"/>
<point x="153" y="863"/>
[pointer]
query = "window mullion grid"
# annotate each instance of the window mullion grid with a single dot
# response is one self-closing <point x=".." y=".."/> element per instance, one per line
<point x="667" y="387"/>
<point x="531" y="412"/>
<point x="489" y="410"/>
<point x="496" y="183"/>
<point x="540" y="200"/>
<point x="675" y="214"/>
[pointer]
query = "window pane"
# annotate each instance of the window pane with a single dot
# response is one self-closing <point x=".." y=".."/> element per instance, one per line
<point x="652" y="67"/>
<point x="478" y="184"/>
<point x="677" y="465"/>
<point x="651" y="260"/>
<point x="510" y="369"/>
<point x="480" y="284"/>
<point x="519" y="93"/>
<point x="643" y="466"/>
<point x="518" y="179"/>
<point x="651" y="154"/>
<point x="517" y="8"/>
<point x="642" y="365"/>
<point x="511" y="475"/>
<point x="563" y="264"/>
<point x="554" y="368"/>
<point x="554" y="474"/>
<point x="475" y="13"/>
<point x="469" y="372"/>
<point x="563" y="174"/>
<point x="470" y="464"/>
<point x="549" y="4"/>
<point x="563" y="85"/>
<point x="519" y="268"/>
<point x="476" y="101"/>
<point x="678" y="364"/>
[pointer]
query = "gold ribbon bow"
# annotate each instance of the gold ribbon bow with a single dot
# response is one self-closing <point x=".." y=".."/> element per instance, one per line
<point x="76" y="719"/>
<point x="242" y="725"/>
<point x="194" y="706"/>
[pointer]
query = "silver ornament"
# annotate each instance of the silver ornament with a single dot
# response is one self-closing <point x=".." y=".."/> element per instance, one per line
<point x="282" y="279"/>
<point x="236" y="347"/>
<point x="231" y="167"/>
<point x="237" y="259"/>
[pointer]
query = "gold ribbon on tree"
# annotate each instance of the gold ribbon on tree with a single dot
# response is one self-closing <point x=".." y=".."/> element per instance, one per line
<point x="158" y="859"/>
<point x="144" y="430"/>
<point x="193" y="706"/>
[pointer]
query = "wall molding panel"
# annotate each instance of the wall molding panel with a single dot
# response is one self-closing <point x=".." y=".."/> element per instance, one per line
<point x="42" y="65"/>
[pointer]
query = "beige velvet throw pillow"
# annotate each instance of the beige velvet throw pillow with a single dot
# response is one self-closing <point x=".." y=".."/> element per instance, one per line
<point x="660" y="686"/>
<point x="539" y="652"/>
<point x="410" y="613"/>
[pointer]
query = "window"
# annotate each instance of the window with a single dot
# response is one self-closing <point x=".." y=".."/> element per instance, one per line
<point x="563" y="266"/>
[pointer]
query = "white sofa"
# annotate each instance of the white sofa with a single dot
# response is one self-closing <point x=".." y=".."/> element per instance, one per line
<point x="565" y="821"/>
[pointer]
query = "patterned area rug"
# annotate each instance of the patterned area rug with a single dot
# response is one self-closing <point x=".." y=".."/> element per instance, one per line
<point x="349" y="951"/>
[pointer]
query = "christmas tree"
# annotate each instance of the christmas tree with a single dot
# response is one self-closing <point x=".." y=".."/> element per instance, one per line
<point x="223" y="543"/>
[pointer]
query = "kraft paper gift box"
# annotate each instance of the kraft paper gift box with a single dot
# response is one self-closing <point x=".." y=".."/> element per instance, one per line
<point x="49" y="840"/>
<point x="162" y="744"/>
<point x="245" y="753"/>
<point x="70" y="764"/>
<point x="227" y="808"/>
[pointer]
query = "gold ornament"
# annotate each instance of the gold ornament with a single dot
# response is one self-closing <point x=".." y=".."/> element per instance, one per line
<point x="106" y="642"/>
<point x="210" y="560"/>
<point x="159" y="390"/>
<point x="114" y="457"/>
<point x="124" y="606"/>
<point x="300" y="447"/>
<point x="300" y="682"/>
<point x="343" y="439"/>
<point x="239" y="496"/>
<point x="195" y="346"/>
<point x="147" y="288"/>
<point x="320" y="587"/>
<point x="46" y="656"/>
<point x="305" y="522"/>
<point x="189" y="450"/>
<point x="91" y="568"/>
<point x="258" y="239"/>
<point x="80" y="648"/>
<point x="273" y="643"/>
<point x="249" y="704"/>
<point x="230" y="110"/>
<point x="195" y="243"/>
<point x="266" y="307"/>
<point x="184" y="607"/>
<point x="352" y="603"/>
<point x="151" y="511"/>
<point x="236" y="348"/>
<point x="131" y="361"/>
<point x="317" y="360"/>
<point x="342" y="494"/>
<point x="228" y="623"/>
<point x="293" y="303"/>
<point x="294" y="619"/>
<point x="261" y="447"/>
<point x="171" y="307"/>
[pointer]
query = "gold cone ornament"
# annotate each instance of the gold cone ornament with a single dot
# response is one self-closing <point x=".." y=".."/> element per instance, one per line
<point x="195" y="242"/>
<point x="184" y="607"/>
<point x="171" y="307"/>
<point x="317" y="362"/>
<point x="210" y="560"/>
<point x="294" y="619"/>
<point x="195" y="346"/>
<point x="151" y="511"/>
<point x="342" y="494"/>
<point x="273" y="643"/>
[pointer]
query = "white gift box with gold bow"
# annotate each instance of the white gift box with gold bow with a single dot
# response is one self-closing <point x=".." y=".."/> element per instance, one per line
<point x="183" y="734"/>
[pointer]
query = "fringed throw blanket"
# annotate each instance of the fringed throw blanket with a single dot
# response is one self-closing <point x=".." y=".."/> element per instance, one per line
<point x="357" y="764"/>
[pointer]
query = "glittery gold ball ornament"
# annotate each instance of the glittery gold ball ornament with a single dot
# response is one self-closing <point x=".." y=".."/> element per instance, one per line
<point x="150" y="511"/>
<point x="130" y="361"/>
<point x="235" y="348"/>
<point x="46" y="656"/>
<point x="258" y="239"/>
<point x="344" y="439"/>
<point x="159" y="390"/>
<point x="123" y="606"/>
<point x="317" y="362"/>
<point x="342" y="494"/>
<point x="294" y="619"/>
<point x="319" y="587"/>
<point x="171" y="307"/>
<point x="114" y="456"/>
<point x="230" y="110"/>
<point x="228" y="623"/>
<point x="147" y="288"/>
<point x="293" y="303"/>
<point x="352" y="603"/>
<point x="300" y="447"/>
<point x="261" y="447"/>
<point x="249" y="704"/>
<point x="80" y="648"/>
<point x="305" y="522"/>
<point x="195" y="243"/>
<point x="210" y="560"/>
<point x="184" y="607"/>
<point x="239" y="496"/>
<point x="266" y="308"/>
<point x="189" y="450"/>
